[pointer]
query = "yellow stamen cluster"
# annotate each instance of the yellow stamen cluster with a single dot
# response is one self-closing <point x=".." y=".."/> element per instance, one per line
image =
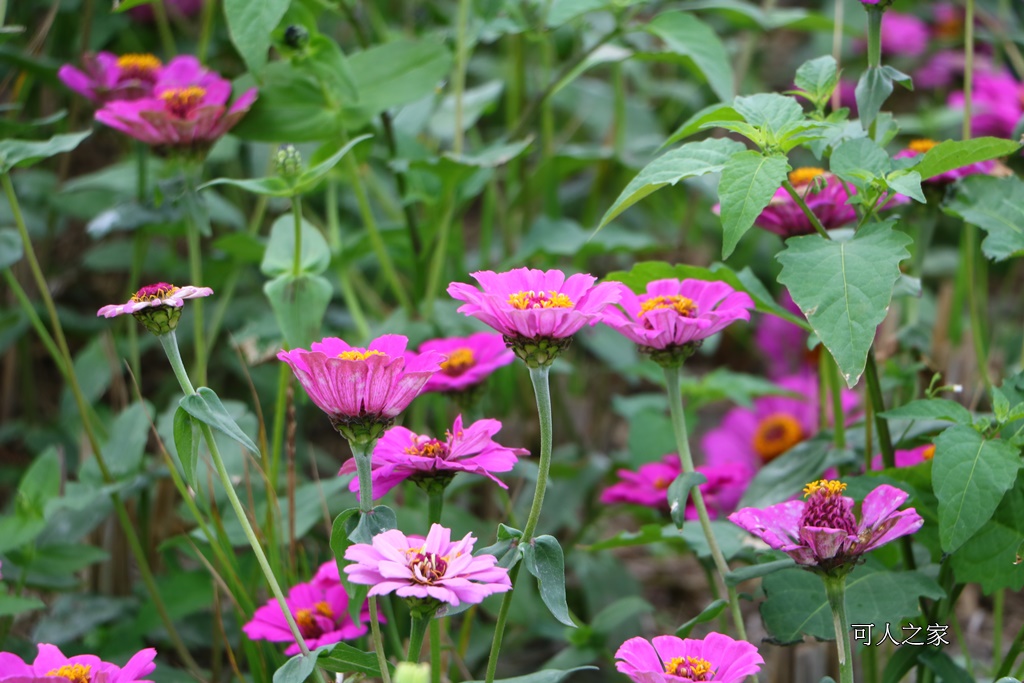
<point x="776" y="434"/>
<point x="76" y="673"/>
<point x="680" y="304"/>
<point x="181" y="101"/>
<point x="805" y="175"/>
<point x="150" y="294"/>
<point x="694" y="668"/>
<point x="138" y="65"/>
<point x="661" y="483"/>
<point x="458" y="361"/>
<point x="324" y="610"/>
<point x="431" y="449"/>
<point x="304" y="619"/>
<point x="929" y="452"/>
<point x="922" y="146"/>
<point x="830" y="487"/>
<point x="358" y="355"/>
<point x="531" y="299"/>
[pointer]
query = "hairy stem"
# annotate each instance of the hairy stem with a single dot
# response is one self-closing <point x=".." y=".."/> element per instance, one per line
<point x="835" y="589"/>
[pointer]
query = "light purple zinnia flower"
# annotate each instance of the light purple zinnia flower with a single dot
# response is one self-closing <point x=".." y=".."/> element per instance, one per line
<point x="401" y="454"/>
<point x="187" y="110"/>
<point x="468" y="361"/>
<point x="157" y="306"/>
<point x="675" y="316"/>
<point x="824" y="195"/>
<point x="51" y="664"/>
<point x="668" y="659"/>
<point x="105" y="77"/>
<point x="320" y="608"/>
<point x="822" y="533"/>
<point x="997" y="105"/>
<point x="433" y="567"/>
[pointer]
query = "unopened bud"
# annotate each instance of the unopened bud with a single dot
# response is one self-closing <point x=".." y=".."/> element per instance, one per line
<point x="296" y="36"/>
<point x="288" y="161"/>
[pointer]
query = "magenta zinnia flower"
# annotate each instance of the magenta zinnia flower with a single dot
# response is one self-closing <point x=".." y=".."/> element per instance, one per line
<point x="537" y="311"/>
<point x="468" y="361"/>
<point x="784" y="344"/>
<point x="361" y="389"/>
<point x="921" y="147"/>
<point x="157" y="306"/>
<point x="426" y="568"/>
<point x="675" y="316"/>
<point x="648" y="486"/>
<point x="105" y="77"/>
<point x="187" y="110"/>
<point x="903" y="34"/>
<point x="825" y="197"/>
<point x="907" y="458"/>
<point x="320" y="608"/>
<point x="822" y="533"/>
<point x="51" y="663"/>
<point x="997" y="105"/>
<point x="401" y="454"/>
<point x="668" y="659"/>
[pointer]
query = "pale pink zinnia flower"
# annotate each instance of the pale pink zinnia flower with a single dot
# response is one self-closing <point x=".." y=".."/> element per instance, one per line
<point x="923" y="146"/>
<point x="997" y="105"/>
<point x="468" y="361"/>
<point x="361" y="389"/>
<point x="822" y="533"/>
<point x="105" y="77"/>
<point x="157" y="306"/>
<point x="401" y="454"/>
<point x="320" y="609"/>
<point x="187" y="110"/>
<point x="537" y="311"/>
<point x="51" y="664"/>
<point x="668" y="659"/>
<point x="433" y="567"/>
<point x="673" y="317"/>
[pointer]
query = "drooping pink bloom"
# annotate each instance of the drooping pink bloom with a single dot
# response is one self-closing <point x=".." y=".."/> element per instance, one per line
<point x="674" y="314"/>
<point x="755" y="436"/>
<point x="401" y="454"/>
<point x="668" y="659"/>
<point x="320" y="609"/>
<point x="366" y="386"/>
<point x="783" y="344"/>
<point x="434" y="567"/>
<point x="188" y="109"/>
<point x="921" y="147"/>
<point x="50" y="662"/>
<point x="823" y="533"/>
<point x="468" y="361"/>
<point x="824" y="195"/>
<point x="907" y="458"/>
<point x="155" y="296"/>
<point x="997" y="105"/>
<point x="105" y="77"/>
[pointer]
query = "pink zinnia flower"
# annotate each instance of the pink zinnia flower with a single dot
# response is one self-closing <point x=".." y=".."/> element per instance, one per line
<point x="187" y="110"/>
<point x="825" y="197"/>
<point x="468" y="361"/>
<point x="675" y="316"/>
<point x="997" y="105"/>
<point x="364" y="387"/>
<point x="907" y="458"/>
<point x="783" y="344"/>
<point x="920" y="147"/>
<point x="426" y="568"/>
<point x="754" y="437"/>
<point x="902" y="34"/>
<point x="320" y="608"/>
<point x="537" y="311"/>
<point x="401" y="454"/>
<point x="823" y="533"/>
<point x="947" y="21"/>
<point x="105" y="77"/>
<point x="50" y="662"/>
<point x="668" y="659"/>
<point x="156" y="306"/>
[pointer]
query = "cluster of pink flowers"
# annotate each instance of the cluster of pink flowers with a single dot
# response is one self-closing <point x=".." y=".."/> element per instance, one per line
<point x="51" y="664"/>
<point x="997" y="103"/>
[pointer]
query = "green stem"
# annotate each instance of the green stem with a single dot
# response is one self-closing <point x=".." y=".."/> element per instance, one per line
<point x="416" y="633"/>
<point x="675" y="404"/>
<point x="837" y="46"/>
<point x="363" y="452"/>
<point x="435" y="506"/>
<point x="206" y="29"/>
<point x="163" y="28"/>
<point x="835" y="384"/>
<point x="284" y="376"/>
<point x="195" y="265"/>
<point x="297" y="213"/>
<point x="878" y="406"/>
<point x="806" y="209"/>
<point x="437" y="263"/>
<point x="998" y="603"/>
<point x="499" y="625"/>
<point x="968" y="67"/>
<point x="35" y="320"/>
<point x="835" y="589"/>
<point x="459" y="76"/>
<point x="378" y="642"/>
<point x="975" y="286"/>
<point x="1011" y="656"/>
<point x="348" y="293"/>
<point x="875" y="15"/>
<point x="435" y="651"/>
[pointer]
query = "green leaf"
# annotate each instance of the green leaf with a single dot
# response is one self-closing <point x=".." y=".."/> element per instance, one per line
<point x="292" y="106"/>
<point x="363" y="528"/>
<point x="953" y="154"/>
<point x="796" y="602"/>
<point x="339" y="537"/>
<point x="11" y="248"/>
<point x="755" y="571"/>
<point x="298" y="668"/>
<point x="186" y="443"/>
<point x="311" y="176"/>
<point x="618" y="612"/>
<point x="970" y="474"/>
<point x="270" y="186"/>
<point x="707" y="614"/>
<point x="250" y="25"/>
<point x="127" y="444"/>
<point x="39" y="484"/>
<point x="679" y="491"/>
<point x="907" y="183"/>
<point x="687" y="36"/>
<point x="279" y="257"/>
<point x="299" y="304"/>
<point x="931" y="409"/>
<point x="860" y="161"/>
<point x="944" y="667"/>
<point x="818" y="78"/>
<point x="397" y="73"/>
<point x="993" y="204"/>
<point x="343" y="658"/>
<point x="990" y="558"/>
<point x="688" y="161"/>
<point x="749" y="181"/>
<point x="28" y="152"/>
<point x="12" y="605"/>
<point x="770" y="112"/>
<point x="543" y="558"/>
<point x="205" y="406"/>
<point x="844" y="288"/>
<point x="873" y="89"/>
<point x="543" y="676"/>
<point x="713" y="112"/>
<point x="323" y="56"/>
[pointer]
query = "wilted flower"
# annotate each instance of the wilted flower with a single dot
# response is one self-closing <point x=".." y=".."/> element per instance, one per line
<point x="431" y="569"/>
<point x="105" y="77"/>
<point x="157" y="306"/>
<point x="824" y="195"/>
<point x="401" y="454"/>
<point x="997" y="105"/>
<point x="673" y="317"/>
<point x="320" y="609"/>
<point x="51" y="663"/>
<point x="921" y="147"/>
<point x="468" y="361"/>
<point x="188" y="109"/>
<point x="536" y="311"/>
<point x="822" y="533"/>
<point x="668" y="659"/>
<point x="361" y="390"/>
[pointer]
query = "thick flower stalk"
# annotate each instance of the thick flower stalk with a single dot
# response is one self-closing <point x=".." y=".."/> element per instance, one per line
<point x="668" y="659"/>
<point x="51" y="664"/>
<point x="105" y="77"/>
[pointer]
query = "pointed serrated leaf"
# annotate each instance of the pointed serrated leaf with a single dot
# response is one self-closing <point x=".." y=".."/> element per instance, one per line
<point x="953" y="154"/>
<point x="250" y="25"/>
<point x="873" y="89"/>
<point x="994" y="205"/>
<point x="686" y="35"/>
<point x="749" y="181"/>
<point x="27" y="152"/>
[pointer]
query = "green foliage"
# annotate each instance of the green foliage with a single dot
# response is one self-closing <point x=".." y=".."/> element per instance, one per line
<point x="544" y="560"/>
<point x="679" y="493"/>
<point x="206" y="406"/>
<point x="749" y="181"/>
<point x="707" y="614"/>
<point x="21" y="153"/>
<point x="299" y="303"/>
<point x="687" y="36"/>
<point x="11" y="249"/>
<point x="993" y="204"/>
<point x="250" y="25"/>
<point x="952" y="154"/>
<point x="817" y="79"/>
<point x="186" y="443"/>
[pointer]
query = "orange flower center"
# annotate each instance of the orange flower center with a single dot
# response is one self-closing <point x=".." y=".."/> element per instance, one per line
<point x="181" y="101"/>
<point x="429" y="449"/>
<point x="76" y="673"/>
<point x="951" y="27"/>
<point x="680" y="304"/>
<point x="929" y="452"/>
<point x="805" y="175"/>
<point x="828" y="487"/>
<point x="358" y="355"/>
<point x="160" y="290"/>
<point x="458" y="362"/>
<point x="661" y="483"/>
<point x="694" y="668"/>
<point x="139" y="66"/>
<point x="530" y="299"/>
<point x="306" y="619"/>
<point x="922" y="146"/>
<point x="776" y="434"/>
